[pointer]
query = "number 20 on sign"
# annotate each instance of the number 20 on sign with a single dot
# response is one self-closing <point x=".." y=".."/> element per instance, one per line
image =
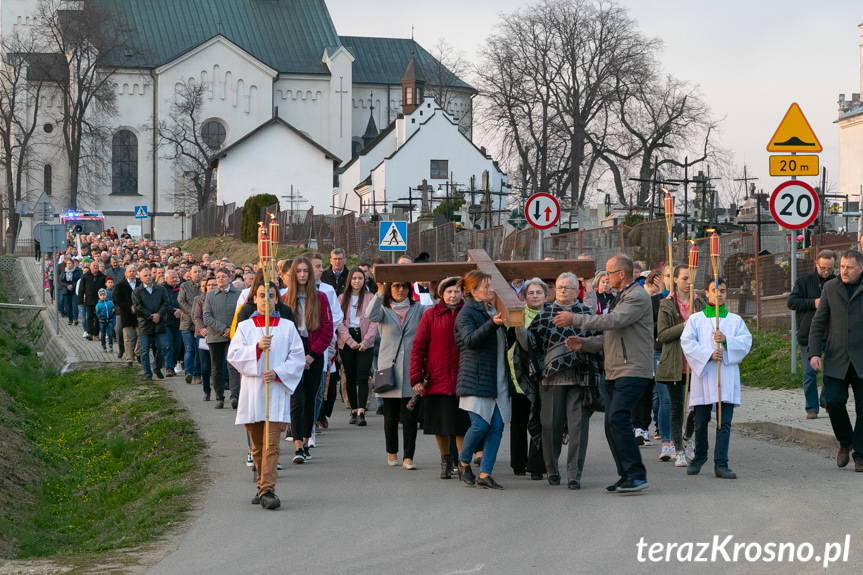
<point x="794" y="205"/>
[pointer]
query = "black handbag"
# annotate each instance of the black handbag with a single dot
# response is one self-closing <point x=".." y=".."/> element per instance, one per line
<point x="593" y="398"/>
<point x="385" y="378"/>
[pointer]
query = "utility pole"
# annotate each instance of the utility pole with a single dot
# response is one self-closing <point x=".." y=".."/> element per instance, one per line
<point x="653" y="182"/>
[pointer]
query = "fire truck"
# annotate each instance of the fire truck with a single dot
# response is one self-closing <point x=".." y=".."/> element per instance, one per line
<point x="83" y="222"/>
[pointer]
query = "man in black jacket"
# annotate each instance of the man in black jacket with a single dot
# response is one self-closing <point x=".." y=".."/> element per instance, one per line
<point x="122" y="299"/>
<point x="88" y="296"/>
<point x="804" y="300"/>
<point x="151" y="306"/>
<point x="837" y="330"/>
<point x="336" y="275"/>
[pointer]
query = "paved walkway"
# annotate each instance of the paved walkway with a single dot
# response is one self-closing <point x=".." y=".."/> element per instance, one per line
<point x="69" y="350"/>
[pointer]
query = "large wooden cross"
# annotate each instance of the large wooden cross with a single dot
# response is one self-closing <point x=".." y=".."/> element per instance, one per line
<point x="502" y="273"/>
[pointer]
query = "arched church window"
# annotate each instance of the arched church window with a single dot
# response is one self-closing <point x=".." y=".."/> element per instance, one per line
<point x="47" y="175"/>
<point x="124" y="163"/>
<point x="213" y="133"/>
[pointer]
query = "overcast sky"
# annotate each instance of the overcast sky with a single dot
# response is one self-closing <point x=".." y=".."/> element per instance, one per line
<point x="750" y="59"/>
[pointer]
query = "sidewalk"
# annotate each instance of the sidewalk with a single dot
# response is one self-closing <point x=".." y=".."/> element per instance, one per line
<point x="778" y="413"/>
<point x="70" y="351"/>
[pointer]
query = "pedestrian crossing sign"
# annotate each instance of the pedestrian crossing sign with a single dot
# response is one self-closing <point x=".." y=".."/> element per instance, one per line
<point x="393" y="236"/>
<point x="141" y="212"/>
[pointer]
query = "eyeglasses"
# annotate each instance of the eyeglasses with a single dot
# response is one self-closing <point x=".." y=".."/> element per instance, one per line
<point x="401" y="286"/>
<point x="565" y="288"/>
<point x="612" y="271"/>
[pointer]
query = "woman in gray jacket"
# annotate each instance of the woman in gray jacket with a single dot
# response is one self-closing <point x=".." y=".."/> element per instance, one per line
<point x="397" y="315"/>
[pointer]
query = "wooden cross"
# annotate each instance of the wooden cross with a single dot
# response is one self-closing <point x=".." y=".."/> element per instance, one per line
<point x="502" y="273"/>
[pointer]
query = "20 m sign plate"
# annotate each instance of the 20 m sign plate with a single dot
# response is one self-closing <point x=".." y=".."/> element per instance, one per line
<point x="794" y="205"/>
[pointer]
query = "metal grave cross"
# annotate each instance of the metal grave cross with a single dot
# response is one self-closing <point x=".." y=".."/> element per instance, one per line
<point x="502" y="273"/>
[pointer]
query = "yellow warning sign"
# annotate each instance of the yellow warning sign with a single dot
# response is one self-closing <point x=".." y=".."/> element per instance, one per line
<point x="794" y="134"/>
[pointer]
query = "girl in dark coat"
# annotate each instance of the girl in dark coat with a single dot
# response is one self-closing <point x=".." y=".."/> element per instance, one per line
<point x="483" y="380"/>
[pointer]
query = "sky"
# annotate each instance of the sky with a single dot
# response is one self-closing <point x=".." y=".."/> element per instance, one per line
<point x="749" y="59"/>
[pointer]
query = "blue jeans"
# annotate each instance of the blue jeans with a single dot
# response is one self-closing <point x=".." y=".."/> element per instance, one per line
<point x="481" y="430"/>
<point x="663" y="418"/>
<point x="106" y="328"/>
<point x="174" y="343"/>
<point x="71" y="306"/>
<point x="203" y="364"/>
<point x="160" y="352"/>
<point x="810" y="381"/>
<point x="61" y="301"/>
<point x="723" y="434"/>
<point x="190" y="353"/>
<point x="319" y="397"/>
<point x="623" y="394"/>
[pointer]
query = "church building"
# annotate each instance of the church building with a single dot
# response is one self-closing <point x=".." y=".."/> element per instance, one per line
<point x="277" y="76"/>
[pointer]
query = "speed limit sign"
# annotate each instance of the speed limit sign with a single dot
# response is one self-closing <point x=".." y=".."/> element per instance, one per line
<point x="794" y="205"/>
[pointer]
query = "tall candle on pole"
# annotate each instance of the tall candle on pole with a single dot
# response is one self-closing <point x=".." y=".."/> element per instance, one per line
<point x="693" y="271"/>
<point x="669" y="224"/>
<point x="714" y="262"/>
<point x="264" y="253"/>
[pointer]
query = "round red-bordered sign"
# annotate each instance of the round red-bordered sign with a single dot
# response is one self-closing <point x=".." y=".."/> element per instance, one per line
<point x="794" y="204"/>
<point x="542" y="210"/>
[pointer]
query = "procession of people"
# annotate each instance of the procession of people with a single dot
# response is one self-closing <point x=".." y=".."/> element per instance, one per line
<point x="280" y="341"/>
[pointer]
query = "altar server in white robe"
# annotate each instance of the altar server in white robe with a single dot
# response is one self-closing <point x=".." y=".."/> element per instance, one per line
<point x="699" y="342"/>
<point x="287" y="364"/>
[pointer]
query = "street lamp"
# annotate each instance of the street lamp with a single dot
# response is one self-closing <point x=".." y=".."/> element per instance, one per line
<point x="177" y="216"/>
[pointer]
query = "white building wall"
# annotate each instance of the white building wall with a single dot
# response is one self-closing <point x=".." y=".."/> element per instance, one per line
<point x="269" y="163"/>
<point x="302" y="101"/>
<point x="850" y="153"/>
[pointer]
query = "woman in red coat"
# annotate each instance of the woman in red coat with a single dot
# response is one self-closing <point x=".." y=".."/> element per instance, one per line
<point x="434" y="358"/>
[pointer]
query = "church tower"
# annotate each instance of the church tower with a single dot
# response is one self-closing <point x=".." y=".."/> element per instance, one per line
<point x="412" y="86"/>
<point x="372" y="128"/>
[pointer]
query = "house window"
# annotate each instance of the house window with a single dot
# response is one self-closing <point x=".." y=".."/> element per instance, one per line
<point x="439" y="169"/>
<point x="409" y="96"/>
<point x="213" y="133"/>
<point x="124" y="164"/>
<point x="47" y="174"/>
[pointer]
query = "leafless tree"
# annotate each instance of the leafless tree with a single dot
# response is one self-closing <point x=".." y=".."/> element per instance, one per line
<point x="19" y="110"/>
<point x="92" y="41"/>
<point x="181" y="141"/>
<point x="443" y="77"/>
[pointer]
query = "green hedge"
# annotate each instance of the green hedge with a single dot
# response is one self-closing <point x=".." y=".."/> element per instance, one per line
<point x="252" y="215"/>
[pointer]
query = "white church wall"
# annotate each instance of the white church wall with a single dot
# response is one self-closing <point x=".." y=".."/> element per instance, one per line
<point x="270" y="163"/>
<point x="339" y="111"/>
<point x="850" y="152"/>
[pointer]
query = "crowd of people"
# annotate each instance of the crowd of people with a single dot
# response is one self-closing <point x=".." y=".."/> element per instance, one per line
<point x="438" y="356"/>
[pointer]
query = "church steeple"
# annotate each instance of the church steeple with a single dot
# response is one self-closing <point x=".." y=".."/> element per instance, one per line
<point x="412" y="86"/>
<point x="371" y="128"/>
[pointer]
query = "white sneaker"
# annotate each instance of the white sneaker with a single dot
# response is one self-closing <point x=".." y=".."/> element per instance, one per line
<point x="312" y="440"/>
<point x="289" y="433"/>
<point x="665" y="455"/>
<point x="646" y="437"/>
<point x="278" y="466"/>
<point x="639" y="436"/>
<point x="680" y="460"/>
<point x="672" y="450"/>
<point x="689" y="449"/>
<point x="249" y="461"/>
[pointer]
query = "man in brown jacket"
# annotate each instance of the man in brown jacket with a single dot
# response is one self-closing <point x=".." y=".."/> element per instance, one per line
<point x="628" y="351"/>
<point x="188" y="292"/>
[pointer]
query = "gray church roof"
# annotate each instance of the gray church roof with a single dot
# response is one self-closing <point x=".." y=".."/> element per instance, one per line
<point x="288" y="35"/>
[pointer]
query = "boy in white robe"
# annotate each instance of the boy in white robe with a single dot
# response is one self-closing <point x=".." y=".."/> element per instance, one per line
<point x="287" y="363"/>
<point x="699" y="342"/>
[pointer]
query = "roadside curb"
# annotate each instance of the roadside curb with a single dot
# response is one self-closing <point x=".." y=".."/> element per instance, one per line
<point x="789" y="433"/>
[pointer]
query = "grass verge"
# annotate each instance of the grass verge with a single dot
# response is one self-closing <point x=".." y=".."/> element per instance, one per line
<point x="769" y="362"/>
<point x="109" y="462"/>
<point x="241" y="254"/>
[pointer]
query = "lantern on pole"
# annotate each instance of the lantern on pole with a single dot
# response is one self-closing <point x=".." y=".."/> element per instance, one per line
<point x="715" y="262"/>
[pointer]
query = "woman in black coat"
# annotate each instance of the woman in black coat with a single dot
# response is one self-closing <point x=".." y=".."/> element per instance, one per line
<point x="483" y="380"/>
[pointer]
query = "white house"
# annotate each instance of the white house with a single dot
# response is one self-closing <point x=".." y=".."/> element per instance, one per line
<point x="271" y="157"/>
<point x="850" y="124"/>
<point x="254" y="56"/>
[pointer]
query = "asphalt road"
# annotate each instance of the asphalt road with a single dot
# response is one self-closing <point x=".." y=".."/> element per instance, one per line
<point x="347" y="512"/>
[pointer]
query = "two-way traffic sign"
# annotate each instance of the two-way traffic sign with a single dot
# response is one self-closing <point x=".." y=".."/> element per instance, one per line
<point x="542" y="210"/>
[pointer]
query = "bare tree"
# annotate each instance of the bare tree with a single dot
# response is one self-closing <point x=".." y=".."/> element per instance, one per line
<point x="182" y="142"/>
<point x="19" y="110"/>
<point x="443" y="76"/>
<point x="92" y="41"/>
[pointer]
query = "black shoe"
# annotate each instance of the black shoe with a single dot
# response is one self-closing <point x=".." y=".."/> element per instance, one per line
<point x="76" y="322"/>
<point x="206" y="397"/>
<point x="120" y="356"/>
<point x="477" y="460"/>
<point x="256" y="500"/>
<point x="488" y="483"/>
<point x="694" y="468"/>
<point x="220" y="404"/>
<point x="148" y="378"/>
<point x="617" y="484"/>
<point x="380" y="410"/>
<point x="188" y="378"/>
<point x="361" y="419"/>
<point x="353" y="419"/>
<point x="306" y="453"/>
<point x="574" y="484"/>
<point x="534" y="476"/>
<point x="724" y="472"/>
<point x="234" y="403"/>
<point x="554" y="479"/>
<point x="633" y="485"/>
<point x="465" y="474"/>
<point x="519" y="472"/>
<point x="158" y="373"/>
<point x="269" y="500"/>
<point x="299" y="457"/>
<point x="445" y="466"/>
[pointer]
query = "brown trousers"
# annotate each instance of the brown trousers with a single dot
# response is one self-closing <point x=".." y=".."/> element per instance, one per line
<point x="265" y="463"/>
